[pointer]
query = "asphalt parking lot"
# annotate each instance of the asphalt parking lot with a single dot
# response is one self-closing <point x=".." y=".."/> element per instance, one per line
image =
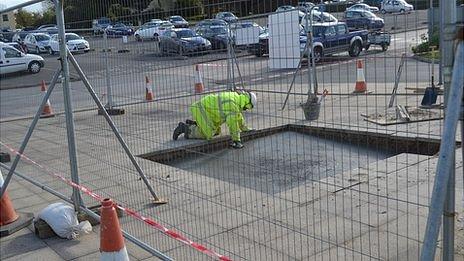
<point x="130" y="63"/>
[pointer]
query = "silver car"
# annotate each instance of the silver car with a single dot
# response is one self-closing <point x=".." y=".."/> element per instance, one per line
<point x="37" y="42"/>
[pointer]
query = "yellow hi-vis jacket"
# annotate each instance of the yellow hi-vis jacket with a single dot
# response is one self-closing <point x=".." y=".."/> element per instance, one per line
<point x="215" y="109"/>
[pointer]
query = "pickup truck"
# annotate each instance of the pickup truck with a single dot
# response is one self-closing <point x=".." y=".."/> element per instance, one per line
<point x="328" y="38"/>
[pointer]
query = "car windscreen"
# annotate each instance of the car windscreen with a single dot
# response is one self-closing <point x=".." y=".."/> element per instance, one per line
<point x="42" y="37"/>
<point x="368" y="14"/>
<point x="227" y="15"/>
<point x="70" y="37"/>
<point x="185" y="34"/>
<point x="218" y="30"/>
<point x="177" y="18"/>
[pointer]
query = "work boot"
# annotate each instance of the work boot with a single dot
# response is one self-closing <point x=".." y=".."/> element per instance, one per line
<point x="180" y="129"/>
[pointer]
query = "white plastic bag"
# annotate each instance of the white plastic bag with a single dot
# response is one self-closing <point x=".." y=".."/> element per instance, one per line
<point x="63" y="220"/>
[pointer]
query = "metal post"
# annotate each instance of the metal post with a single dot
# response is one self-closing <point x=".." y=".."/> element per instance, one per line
<point x="448" y="14"/>
<point x="68" y="103"/>
<point x="230" y="65"/>
<point x="309" y="42"/>
<point x="29" y="132"/>
<point x="109" y="104"/>
<point x="114" y="128"/>
<point x="441" y="201"/>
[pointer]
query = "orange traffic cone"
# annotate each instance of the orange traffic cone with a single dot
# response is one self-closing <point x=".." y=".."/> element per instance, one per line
<point x="148" y="89"/>
<point x="111" y="241"/>
<point x="10" y="221"/>
<point x="199" y="87"/>
<point x="47" y="111"/>
<point x="361" y="85"/>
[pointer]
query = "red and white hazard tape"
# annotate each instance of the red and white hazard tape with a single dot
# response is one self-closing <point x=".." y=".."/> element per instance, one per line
<point x="171" y="233"/>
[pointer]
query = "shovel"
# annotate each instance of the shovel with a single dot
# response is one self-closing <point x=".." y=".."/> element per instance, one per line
<point x="431" y="93"/>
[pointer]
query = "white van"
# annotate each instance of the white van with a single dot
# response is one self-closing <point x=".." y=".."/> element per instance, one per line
<point x="395" y="6"/>
<point x="13" y="60"/>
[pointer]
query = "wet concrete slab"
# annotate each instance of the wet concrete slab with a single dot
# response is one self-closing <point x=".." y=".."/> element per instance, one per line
<point x="281" y="161"/>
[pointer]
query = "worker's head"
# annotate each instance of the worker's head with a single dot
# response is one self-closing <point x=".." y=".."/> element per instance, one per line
<point x="251" y="100"/>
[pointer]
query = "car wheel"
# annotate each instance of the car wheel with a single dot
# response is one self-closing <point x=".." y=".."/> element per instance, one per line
<point x="383" y="11"/>
<point x="367" y="47"/>
<point x="37" y="50"/>
<point x="156" y="37"/>
<point x="384" y="47"/>
<point x="318" y="54"/>
<point x="138" y="38"/>
<point x="402" y="11"/>
<point x="50" y="51"/>
<point x="355" y="49"/>
<point x="180" y="51"/>
<point x="34" y="67"/>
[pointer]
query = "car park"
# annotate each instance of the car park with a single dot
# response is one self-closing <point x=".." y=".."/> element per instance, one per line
<point x="152" y="30"/>
<point x="216" y="34"/>
<point x="37" y="42"/>
<point x="183" y="41"/>
<point x="178" y="21"/>
<point x="13" y="60"/>
<point x="360" y="19"/>
<point x="364" y="7"/>
<point x="395" y="6"/>
<point x="119" y="29"/>
<point x="227" y="16"/>
<point x="74" y="42"/>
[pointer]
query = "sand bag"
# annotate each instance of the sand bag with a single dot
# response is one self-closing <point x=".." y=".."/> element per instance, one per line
<point x="63" y="220"/>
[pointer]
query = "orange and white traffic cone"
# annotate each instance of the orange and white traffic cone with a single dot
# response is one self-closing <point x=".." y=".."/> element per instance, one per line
<point x="111" y="240"/>
<point x="361" y="85"/>
<point x="47" y="111"/>
<point x="148" y="89"/>
<point x="199" y="87"/>
<point x="10" y="221"/>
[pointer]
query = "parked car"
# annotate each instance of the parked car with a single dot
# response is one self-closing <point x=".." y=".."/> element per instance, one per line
<point x="119" y="29"/>
<point x="74" y="42"/>
<point x="37" y="42"/>
<point x="247" y="24"/>
<point x="286" y="8"/>
<point x="363" y="7"/>
<point x="211" y="22"/>
<point x="227" y="16"/>
<point x="47" y="28"/>
<point x="99" y="25"/>
<point x="13" y="60"/>
<point x="178" y="21"/>
<point x="216" y="34"/>
<point x="306" y="6"/>
<point x="356" y="19"/>
<point x="395" y="6"/>
<point x="152" y="30"/>
<point x="21" y="34"/>
<point x="183" y="41"/>
<point x="328" y="38"/>
<point x="319" y="17"/>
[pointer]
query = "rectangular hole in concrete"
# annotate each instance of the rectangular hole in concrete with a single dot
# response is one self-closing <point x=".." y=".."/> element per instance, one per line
<point x="280" y="158"/>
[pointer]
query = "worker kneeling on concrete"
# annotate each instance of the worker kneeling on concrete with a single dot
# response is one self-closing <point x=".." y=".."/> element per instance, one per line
<point x="212" y="111"/>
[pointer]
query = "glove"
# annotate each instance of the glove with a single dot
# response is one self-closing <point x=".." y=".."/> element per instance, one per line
<point x="236" y="145"/>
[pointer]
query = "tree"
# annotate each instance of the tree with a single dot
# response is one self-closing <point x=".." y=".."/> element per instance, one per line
<point x="24" y="18"/>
